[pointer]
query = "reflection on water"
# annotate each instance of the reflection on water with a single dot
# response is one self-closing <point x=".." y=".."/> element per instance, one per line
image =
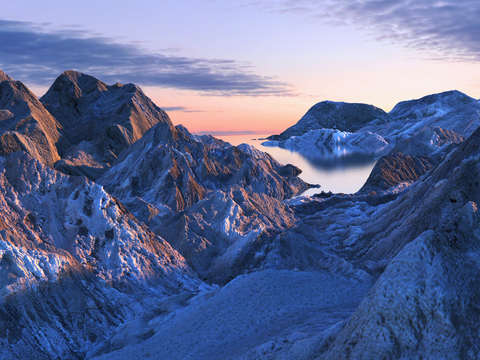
<point x="339" y="159"/>
<point x="345" y="174"/>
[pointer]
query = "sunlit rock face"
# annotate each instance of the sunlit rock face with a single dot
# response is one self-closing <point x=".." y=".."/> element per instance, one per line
<point x="99" y="120"/>
<point x="170" y="167"/>
<point x="75" y="264"/>
<point x="4" y="77"/>
<point x="25" y="125"/>
<point x="397" y="168"/>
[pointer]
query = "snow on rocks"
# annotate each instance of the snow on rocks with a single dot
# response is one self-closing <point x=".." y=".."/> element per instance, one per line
<point x="65" y="242"/>
<point x="333" y="143"/>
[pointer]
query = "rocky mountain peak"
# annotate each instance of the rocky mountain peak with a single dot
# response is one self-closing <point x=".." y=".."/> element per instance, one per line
<point x="99" y="120"/>
<point x="4" y="77"/>
<point x="27" y="126"/>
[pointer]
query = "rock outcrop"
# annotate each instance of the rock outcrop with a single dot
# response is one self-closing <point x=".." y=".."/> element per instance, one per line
<point x="396" y="168"/>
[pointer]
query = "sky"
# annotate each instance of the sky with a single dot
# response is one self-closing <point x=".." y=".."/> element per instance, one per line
<point x="238" y="66"/>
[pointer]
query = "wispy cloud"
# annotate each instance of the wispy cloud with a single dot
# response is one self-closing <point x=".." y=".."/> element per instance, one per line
<point x="227" y="133"/>
<point x="181" y="109"/>
<point x="36" y="55"/>
<point x="446" y="29"/>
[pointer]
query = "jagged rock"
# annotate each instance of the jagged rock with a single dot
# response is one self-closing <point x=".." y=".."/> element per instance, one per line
<point x="25" y="125"/>
<point x="451" y="111"/>
<point x="425" y="303"/>
<point x="334" y="115"/>
<point x="171" y="167"/>
<point x="431" y="105"/>
<point x="75" y="264"/>
<point x="100" y="120"/>
<point x="224" y="235"/>
<point x="396" y="168"/>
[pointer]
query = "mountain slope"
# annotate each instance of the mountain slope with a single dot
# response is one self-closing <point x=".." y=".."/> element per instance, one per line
<point x="4" y="77"/>
<point x="26" y="125"/>
<point x="170" y="166"/>
<point x="75" y="264"/>
<point x="431" y="105"/>
<point x="335" y="115"/>
<point x="99" y="120"/>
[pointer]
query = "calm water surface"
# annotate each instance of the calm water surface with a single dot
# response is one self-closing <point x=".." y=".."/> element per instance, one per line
<point x="345" y="175"/>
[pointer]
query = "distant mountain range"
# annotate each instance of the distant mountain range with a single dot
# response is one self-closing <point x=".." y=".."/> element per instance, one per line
<point x="123" y="236"/>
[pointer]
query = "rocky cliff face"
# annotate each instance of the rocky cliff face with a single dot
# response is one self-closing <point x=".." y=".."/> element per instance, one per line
<point x="99" y="120"/>
<point x="397" y="168"/>
<point x="25" y="125"/>
<point x="170" y="166"/>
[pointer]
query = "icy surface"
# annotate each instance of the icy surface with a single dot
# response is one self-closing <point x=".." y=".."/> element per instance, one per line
<point x="333" y="144"/>
<point x="275" y="308"/>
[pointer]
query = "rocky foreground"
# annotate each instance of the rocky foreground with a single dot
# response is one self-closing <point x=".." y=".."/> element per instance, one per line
<point x="141" y="240"/>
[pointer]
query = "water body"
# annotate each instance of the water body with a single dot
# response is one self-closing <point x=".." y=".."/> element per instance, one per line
<point x="338" y="174"/>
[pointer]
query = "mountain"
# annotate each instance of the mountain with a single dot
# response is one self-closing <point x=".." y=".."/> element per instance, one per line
<point x="186" y="247"/>
<point x="420" y="250"/>
<point x="331" y="146"/>
<point x="334" y="115"/>
<point x="211" y="201"/>
<point x="172" y="167"/>
<point x="75" y="264"/>
<point x="431" y="105"/>
<point x="98" y="120"/>
<point x="25" y="124"/>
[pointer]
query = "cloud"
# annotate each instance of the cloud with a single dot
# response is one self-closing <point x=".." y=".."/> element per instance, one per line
<point x="227" y="133"/>
<point x="446" y="29"/>
<point x="37" y="55"/>
<point x="180" y="108"/>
